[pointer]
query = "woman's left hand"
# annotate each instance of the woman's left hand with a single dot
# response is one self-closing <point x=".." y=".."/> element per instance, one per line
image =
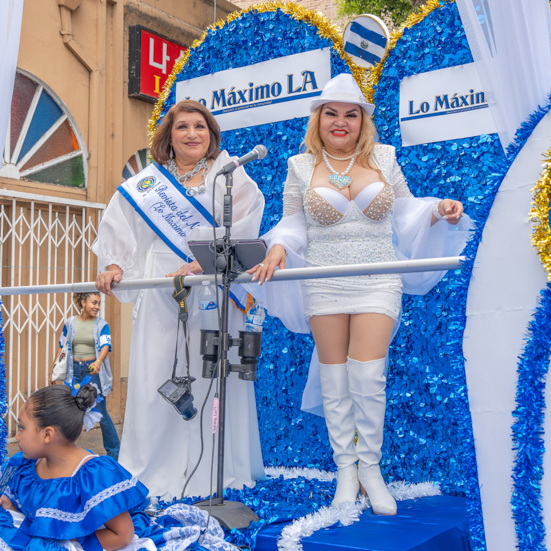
<point x="95" y="368"/>
<point x="451" y="210"/>
<point x="194" y="268"/>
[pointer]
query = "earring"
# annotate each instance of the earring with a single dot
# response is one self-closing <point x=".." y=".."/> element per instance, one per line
<point x="171" y="154"/>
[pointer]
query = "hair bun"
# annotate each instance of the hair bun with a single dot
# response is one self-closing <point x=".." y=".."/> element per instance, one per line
<point x="86" y="396"/>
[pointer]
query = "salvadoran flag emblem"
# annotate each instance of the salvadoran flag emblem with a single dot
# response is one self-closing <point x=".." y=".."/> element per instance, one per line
<point x="365" y="40"/>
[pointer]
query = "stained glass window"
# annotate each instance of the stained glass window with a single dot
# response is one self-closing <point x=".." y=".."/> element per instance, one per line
<point x="43" y="142"/>
<point x="137" y="162"/>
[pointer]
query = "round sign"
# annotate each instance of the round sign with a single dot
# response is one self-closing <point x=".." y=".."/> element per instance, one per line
<point x="365" y="40"/>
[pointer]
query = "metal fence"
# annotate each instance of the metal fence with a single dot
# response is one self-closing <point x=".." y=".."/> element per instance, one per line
<point x="43" y="241"/>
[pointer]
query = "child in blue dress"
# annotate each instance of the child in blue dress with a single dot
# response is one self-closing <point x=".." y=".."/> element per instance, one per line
<point x="55" y="495"/>
<point x="65" y="492"/>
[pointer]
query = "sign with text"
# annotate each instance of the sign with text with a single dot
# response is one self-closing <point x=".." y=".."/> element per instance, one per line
<point x="441" y="105"/>
<point x="271" y="91"/>
<point x="151" y="58"/>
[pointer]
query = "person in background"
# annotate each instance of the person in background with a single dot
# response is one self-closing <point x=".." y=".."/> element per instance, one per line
<point x="89" y="344"/>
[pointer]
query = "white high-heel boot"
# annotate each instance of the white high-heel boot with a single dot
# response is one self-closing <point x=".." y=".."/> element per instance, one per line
<point x="367" y="383"/>
<point x="339" y="417"/>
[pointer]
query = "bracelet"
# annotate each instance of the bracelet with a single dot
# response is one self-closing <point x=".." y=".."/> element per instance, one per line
<point x="435" y="211"/>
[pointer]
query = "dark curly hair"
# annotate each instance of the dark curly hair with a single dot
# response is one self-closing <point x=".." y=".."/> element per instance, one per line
<point x="55" y="406"/>
<point x="79" y="297"/>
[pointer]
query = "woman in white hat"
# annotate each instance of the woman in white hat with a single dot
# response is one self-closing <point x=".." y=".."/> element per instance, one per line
<point x="345" y="201"/>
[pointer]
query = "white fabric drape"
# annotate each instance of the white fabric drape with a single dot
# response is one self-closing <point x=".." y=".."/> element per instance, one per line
<point x="511" y="46"/>
<point x="503" y="293"/>
<point x="11" y="14"/>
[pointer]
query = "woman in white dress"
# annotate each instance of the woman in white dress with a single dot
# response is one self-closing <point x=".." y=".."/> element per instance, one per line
<point x="345" y="202"/>
<point x="144" y="234"/>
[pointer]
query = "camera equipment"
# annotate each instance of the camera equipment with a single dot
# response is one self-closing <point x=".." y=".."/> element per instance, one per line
<point x="177" y="391"/>
<point x="250" y="348"/>
<point x="215" y="346"/>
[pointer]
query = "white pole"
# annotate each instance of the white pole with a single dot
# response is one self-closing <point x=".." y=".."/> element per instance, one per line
<point x="396" y="267"/>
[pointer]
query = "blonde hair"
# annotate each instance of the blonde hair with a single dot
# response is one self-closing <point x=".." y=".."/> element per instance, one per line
<point x="366" y="142"/>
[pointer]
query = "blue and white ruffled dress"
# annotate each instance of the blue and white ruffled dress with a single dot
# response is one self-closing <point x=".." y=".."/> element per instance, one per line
<point x="53" y="513"/>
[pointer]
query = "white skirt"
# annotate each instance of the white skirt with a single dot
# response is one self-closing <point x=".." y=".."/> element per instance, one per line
<point x="353" y="296"/>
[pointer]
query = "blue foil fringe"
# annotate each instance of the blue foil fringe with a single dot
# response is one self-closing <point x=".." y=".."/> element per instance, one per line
<point x="528" y="429"/>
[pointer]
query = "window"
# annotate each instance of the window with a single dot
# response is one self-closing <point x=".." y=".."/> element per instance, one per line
<point x="43" y="143"/>
<point x="137" y="162"/>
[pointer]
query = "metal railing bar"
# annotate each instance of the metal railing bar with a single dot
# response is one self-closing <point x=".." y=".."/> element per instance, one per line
<point x="290" y="274"/>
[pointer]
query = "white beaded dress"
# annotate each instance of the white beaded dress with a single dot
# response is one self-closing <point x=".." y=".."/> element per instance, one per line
<point x="320" y="227"/>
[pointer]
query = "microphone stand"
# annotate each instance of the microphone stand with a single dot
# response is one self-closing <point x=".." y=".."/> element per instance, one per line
<point x="230" y="514"/>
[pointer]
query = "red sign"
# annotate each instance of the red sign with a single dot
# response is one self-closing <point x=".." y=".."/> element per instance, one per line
<point x="152" y="57"/>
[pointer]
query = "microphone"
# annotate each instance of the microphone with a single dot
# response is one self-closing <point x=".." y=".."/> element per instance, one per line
<point x="259" y="152"/>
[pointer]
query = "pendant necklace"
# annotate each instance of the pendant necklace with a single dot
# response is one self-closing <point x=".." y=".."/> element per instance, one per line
<point x="182" y="179"/>
<point x="340" y="180"/>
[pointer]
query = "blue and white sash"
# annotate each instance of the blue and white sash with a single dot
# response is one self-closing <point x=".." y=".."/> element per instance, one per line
<point x="166" y="208"/>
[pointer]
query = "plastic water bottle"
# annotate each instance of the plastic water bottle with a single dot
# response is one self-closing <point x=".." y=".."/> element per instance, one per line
<point x="255" y="317"/>
<point x="152" y="508"/>
<point x="208" y="308"/>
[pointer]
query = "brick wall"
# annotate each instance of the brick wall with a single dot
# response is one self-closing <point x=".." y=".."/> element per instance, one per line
<point x="327" y="7"/>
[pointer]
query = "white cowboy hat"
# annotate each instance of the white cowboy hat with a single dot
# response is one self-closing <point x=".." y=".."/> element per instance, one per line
<point x="344" y="89"/>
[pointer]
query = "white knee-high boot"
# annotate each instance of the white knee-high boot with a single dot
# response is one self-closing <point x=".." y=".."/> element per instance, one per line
<point x="367" y="384"/>
<point x="339" y="417"/>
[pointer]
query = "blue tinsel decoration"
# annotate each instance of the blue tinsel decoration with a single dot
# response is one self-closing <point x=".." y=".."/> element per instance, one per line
<point x="528" y="429"/>
<point x="530" y="399"/>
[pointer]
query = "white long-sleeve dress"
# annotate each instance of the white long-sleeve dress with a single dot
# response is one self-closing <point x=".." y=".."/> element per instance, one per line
<point x="158" y="446"/>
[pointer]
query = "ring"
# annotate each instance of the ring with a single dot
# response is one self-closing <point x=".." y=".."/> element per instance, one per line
<point x="261" y="264"/>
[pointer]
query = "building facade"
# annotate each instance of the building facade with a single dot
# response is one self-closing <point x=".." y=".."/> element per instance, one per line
<point x="78" y="124"/>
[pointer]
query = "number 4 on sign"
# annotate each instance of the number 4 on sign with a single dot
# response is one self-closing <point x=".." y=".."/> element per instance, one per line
<point x="164" y="59"/>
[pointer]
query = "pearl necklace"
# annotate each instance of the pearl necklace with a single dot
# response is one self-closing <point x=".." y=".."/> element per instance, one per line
<point x="202" y="165"/>
<point x="339" y="179"/>
<point x="339" y="158"/>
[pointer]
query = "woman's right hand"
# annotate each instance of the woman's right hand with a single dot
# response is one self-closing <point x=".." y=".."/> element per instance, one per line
<point x="105" y="279"/>
<point x="264" y="271"/>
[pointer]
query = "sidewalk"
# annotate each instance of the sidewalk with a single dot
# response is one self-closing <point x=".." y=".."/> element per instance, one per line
<point x="90" y="440"/>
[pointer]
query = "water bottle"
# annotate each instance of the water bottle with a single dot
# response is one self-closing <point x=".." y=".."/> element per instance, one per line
<point x="208" y="308"/>
<point x="255" y="317"/>
<point x="152" y="508"/>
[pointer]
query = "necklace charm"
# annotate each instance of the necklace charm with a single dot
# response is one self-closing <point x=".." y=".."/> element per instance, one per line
<point x="340" y="180"/>
<point x="202" y="166"/>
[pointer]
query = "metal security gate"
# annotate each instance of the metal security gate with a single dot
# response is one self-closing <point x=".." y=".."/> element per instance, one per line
<point x="43" y="241"/>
